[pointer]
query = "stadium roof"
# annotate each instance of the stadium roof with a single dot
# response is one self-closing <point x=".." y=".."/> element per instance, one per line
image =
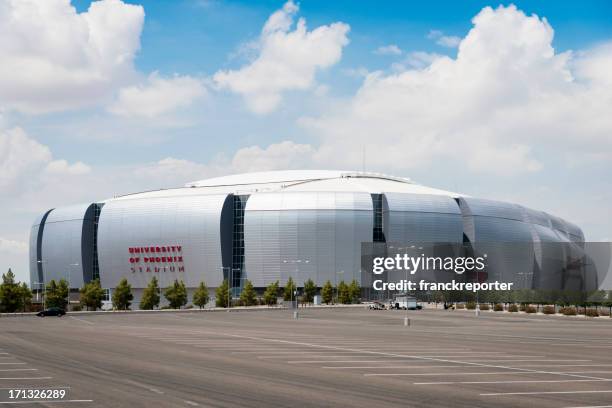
<point x="295" y="181"/>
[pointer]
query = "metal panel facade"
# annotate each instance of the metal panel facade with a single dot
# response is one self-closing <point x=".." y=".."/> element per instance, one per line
<point x="422" y="218"/>
<point x="61" y="245"/>
<point x="191" y="222"/>
<point x="306" y="235"/>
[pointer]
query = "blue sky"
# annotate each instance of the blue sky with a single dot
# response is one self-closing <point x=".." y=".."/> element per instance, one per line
<point x="474" y="96"/>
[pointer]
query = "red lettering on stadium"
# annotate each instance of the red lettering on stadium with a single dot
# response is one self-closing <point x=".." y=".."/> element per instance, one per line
<point x="172" y="261"/>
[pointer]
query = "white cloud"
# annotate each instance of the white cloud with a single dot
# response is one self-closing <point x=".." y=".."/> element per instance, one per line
<point x="63" y="167"/>
<point x="284" y="155"/>
<point x="449" y="41"/>
<point x="54" y="58"/>
<point x="158" y="96"/>
<point x="506" y="105"/>
<point x="13" y="247"/>
<point x="24" y="162"/>
<point x="287" y="60"/>
<point x="20" y="156"/>
<point x="390" y="49"/>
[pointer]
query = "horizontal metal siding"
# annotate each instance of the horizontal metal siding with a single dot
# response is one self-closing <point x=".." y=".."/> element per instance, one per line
<point x="422" y="218"/>
<point x="190" y="221"/>
<point x="324" y="228"/>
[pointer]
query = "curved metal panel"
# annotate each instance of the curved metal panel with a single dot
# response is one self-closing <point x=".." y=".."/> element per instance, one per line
<point x="192" y="223"/>
<point x="306" y="235"/>
<point x="36" y="233"/>
<point x="422" y="218"/>
<point x="61" y="251"/>
<point x="497" y="229"/>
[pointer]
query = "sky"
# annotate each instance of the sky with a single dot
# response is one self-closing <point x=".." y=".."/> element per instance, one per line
<point x="508" y="101"/>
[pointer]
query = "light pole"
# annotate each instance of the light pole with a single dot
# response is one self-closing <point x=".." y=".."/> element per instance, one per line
<point x="295" y="262"/>
<point x="336" y="282"/>
<point x="230" y="286"/>
<point x="69" y="269"/>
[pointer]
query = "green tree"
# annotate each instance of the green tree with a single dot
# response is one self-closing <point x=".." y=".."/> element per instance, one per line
<point x="10" y="293"/>
<point x="310" y="290"/>
<point x="92" y="295"/>
<point x="26" y="296"/>
<point x="271" y="294"/>
<point x="289" y="290"/>
<point x="200" y="297"/>
<point x="222" y="295"/>
<point x="344" y="293"/>
<point x="327" y="292"/>
<point x="122" y="295"/>
<point x="57" y="294"/>
<point x="150" y="296"/>
<point x="354" y="291"/>
<point x="248" y="297"/>
<point x="176" y="294"/>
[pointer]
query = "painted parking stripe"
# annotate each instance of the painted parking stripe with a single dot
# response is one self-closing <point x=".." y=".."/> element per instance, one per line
<point x="493" y="394"/>
<point x="18" y="369"/>
<point x="508" y="382"/>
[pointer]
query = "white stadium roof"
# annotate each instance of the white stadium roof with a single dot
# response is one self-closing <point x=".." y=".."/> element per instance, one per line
<point x="295" y="181"/>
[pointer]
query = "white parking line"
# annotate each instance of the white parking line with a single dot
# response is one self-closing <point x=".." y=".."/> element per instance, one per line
<point x="593" y="406"/>
<point x="507" y="382"/>
<point x="25" y="378"/>
<point x="18" y="369"/>
<point x="381" y="353"/>
<point x="493" y="394"/>
<point x="442" y="374"/>
<point x="81" y="320"/>
<point x="390" y="367"/>
<point x="385" y="359"/>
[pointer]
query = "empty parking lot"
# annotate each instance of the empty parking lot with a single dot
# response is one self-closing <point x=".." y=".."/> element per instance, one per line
<point x="328" y="357"/>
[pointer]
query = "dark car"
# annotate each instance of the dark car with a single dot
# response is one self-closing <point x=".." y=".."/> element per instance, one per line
<point x="52" y="311"/>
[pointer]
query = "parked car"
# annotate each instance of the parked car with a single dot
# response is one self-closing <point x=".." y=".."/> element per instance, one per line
<point x="376" y="306"/>
<point x="52" y="311"/>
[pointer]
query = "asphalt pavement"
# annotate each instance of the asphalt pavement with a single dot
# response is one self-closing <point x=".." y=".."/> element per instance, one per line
<point x="345" y="357"/>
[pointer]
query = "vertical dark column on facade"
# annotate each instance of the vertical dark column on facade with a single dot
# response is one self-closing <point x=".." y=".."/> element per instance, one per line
<point x="89" y="243"/>
<point x="39" y="238"/>
<point x="378" y="234"/>
<point x="96" y="266"/>
<point x="238" y="240"/>
<point x="232" y="238"/>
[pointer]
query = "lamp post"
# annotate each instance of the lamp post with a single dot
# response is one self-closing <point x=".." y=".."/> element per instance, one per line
<point x="336" y="282"/>
<point x="69" y="269"/>
<point x="295" y="262"/>
<point x="43" y="282"/>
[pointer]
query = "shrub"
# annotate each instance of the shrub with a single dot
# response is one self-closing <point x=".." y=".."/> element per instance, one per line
<point x="459" y="306"/>
<point x="549" y="310"/>
<point x="484" y="306"/>
<point x="513" y="308"/>
<point x="498" y="307"/>
<point x="470" y="305"/>
<point x="591" y="313"/>
<point x="523" y="307"/>
<point x="568" y="311"/>
<point x="531" y="309"/>
<point x="76" y="308"/>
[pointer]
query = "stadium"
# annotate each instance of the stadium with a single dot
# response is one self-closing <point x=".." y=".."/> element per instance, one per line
<point x="270" y="226"/>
